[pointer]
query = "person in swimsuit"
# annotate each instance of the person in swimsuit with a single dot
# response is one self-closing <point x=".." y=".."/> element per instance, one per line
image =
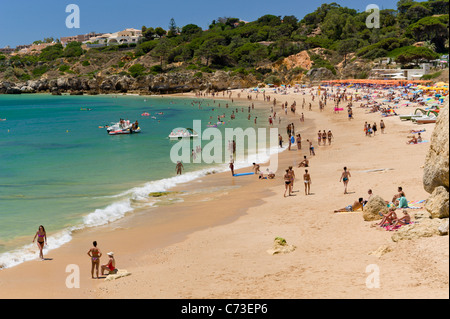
<point x="42" y="240"/>
<point x="345" y="178"/>
<point x="405" y="220"/>
<point x="389" y="217"/>
<point x="324" y="137"/>
<point x="330" y="136"/>
<point x="311" y="148"/>
<point x="95" y="255"/>
<point x="319" y="137"/>
<point x="299" y="142"/>
<point x="304" y="163"/>
<point x="351" y="208"/>
<point x="307" y="181"/>
<point x="287" y="183"/>
<point x="111" y="265"/>
<point x="179" y="167"/>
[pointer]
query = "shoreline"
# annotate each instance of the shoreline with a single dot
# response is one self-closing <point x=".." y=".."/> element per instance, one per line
<point x="250" y="225"/>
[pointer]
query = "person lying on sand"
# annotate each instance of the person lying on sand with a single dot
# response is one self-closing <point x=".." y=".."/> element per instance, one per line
<point x="351" y="208"/>
<point x="413" y="140"/>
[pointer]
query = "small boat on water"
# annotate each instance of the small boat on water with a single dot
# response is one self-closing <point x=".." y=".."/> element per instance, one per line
<point x="183" y="133"/>
<point x="2" y="120"/>
<point x="145" y="114"/>
<point x="123" y="127"/>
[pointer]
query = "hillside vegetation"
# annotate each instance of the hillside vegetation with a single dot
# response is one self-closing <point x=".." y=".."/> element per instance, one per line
<point x="333" y="37"/>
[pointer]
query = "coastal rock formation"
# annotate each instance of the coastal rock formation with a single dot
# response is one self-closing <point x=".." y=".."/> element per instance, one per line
<point x="319" y="74"/>
<point x="176" y="82"/>
<point x="436" y="168"/>
<point x="437" y="203"/>
<point x="280" y="246"/>
<point x="443" y="229"/>
<point x="373" y="207"/>
<point x="424" y="228"/>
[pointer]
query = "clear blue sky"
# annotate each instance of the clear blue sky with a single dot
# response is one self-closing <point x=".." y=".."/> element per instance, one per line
<point x="24" y="21"/>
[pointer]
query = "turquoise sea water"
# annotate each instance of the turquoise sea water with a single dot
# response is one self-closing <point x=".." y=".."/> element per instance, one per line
<point x="59" y="169"/>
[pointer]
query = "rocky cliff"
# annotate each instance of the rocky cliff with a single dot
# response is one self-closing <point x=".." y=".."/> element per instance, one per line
<point x="436" y="169"/>
<point x="156" y="84"/>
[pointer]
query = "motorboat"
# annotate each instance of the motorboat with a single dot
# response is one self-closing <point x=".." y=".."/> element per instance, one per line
<point x="2" y="120"/>
<point x="123" y="127"/>
<point x="182" y="133"/>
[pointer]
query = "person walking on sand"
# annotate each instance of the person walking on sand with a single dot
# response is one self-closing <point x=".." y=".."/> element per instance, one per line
<point x="311" y="148"/>
<point x="345" y="178"/>
<point x="232" y="168"/>
<point x="292" y="173"/>
<point x="111" y="265"/>
<point x="42" y="240"/>
<point x="280" y="140"/>
<point x="299" y="142"/>
<point x="94" y="253"/>
<point x="330" y="136"/>
<point x="382" y="126"/>
<point x="307" y="181"/>
<point x="287" y="183"/>
<point x="179" y="167"/>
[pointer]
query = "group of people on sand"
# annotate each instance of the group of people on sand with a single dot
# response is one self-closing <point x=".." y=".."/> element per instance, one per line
<point x="372" y="129"/>
<point x="415" y="139"/>
<point x="289" y="178"/>
<point x="94" y="253"/>
<point x="323" y="136"/>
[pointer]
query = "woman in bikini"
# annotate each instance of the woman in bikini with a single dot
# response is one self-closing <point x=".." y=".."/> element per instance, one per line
<point x="307" y="181"/>
<point x="345" y="178"/>
<point x="42" y="240"/>
<point x="287" y="183"/>
<point x="95" y="255"/>
<point x="324" y="137"/>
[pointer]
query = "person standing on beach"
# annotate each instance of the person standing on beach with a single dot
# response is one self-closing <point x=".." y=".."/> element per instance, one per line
<point x="330" y="136"/>
<point x="382" y="126"/>
<point x="42" y="240"/>
<point x="345" y="178"/>
<point x="292" y="173"/>
<point x="280" y="140"/>
<point x="95" y="255"/>
<point x="287" y="183"/>
<point x="299" y="142"/>
<point x="179" y="167"/>
<point x="232" y="168"/>
<point x="307" y="181"/>
<point x="311" y="148"/>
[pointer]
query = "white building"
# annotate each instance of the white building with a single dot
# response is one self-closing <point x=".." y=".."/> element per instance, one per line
<point x="126" y="36"/>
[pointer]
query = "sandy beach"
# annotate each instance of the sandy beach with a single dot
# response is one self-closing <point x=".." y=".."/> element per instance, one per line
<point x="214" y="243"/>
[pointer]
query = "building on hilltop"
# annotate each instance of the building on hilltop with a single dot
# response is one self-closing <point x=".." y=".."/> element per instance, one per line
<point x="126" y="36"/>
<point x="79" y="38"/>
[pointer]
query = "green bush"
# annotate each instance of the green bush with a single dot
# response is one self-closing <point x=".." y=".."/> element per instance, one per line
<point x="40" y="70"/>
<point x="64" y="68"/>
<point x="85" y="63"/>
<point x="198" y="75"/>
<point x="136" y="70"/>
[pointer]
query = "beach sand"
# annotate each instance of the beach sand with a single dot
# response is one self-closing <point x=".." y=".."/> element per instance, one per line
<point x="214" y="243"/>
